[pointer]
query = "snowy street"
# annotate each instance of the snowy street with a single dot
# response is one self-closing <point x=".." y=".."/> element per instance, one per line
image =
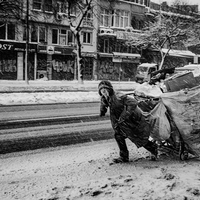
<point x="84" y="172"/>
<point x="48" y="92"/>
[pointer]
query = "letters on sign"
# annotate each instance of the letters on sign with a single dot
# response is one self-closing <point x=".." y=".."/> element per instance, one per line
<point x="6" y="46"/>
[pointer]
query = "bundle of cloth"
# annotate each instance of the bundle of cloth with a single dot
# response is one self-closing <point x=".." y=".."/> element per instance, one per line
<point x="176" y="115"/>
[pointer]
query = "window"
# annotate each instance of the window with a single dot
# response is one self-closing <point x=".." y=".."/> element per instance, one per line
<point x="2" y="31"/>
<point x="106" y="46"/>
<point x="7" y="31"/>
<point x="42" y="34"/>
<point x="55" y="36"/>
<point x="73" y="10"/>
<point x="34" y="37"/>
<point x="37" y="4"/>
<point x="11" y="31"/>
<point x="70" y="37"/>
<point x="118" y="47"/>
<point x="120" y="19"/>
<point x="87" y="37"/>
<point x="38" y="34"/>
<point x="146" y="3"/>
<point x="62" y="37"/>
<point x="88" y="20"/>
<point x="48" y="5"/>
<point x="61" y="8"/>
<point x="105" y="18"/>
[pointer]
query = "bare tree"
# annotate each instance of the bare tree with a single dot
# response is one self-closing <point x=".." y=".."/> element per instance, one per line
<point x="10" y="9"/>
<point x="84" y="8"/>
<point x="165" y="32"/>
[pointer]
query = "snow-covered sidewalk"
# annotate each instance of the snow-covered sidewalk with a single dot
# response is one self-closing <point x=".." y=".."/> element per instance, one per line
<point x="46" y="92"/>
<point x="84" y="172"/>
<point x="40" y="85"/>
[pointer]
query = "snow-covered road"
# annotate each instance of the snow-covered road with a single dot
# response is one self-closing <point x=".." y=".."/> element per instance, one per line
<point x="85" y="172"/>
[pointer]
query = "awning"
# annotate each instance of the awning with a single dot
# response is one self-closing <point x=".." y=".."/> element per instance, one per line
<point x="89" y="54"/>
<point x="105" y="55"/>
<point x="179" y="53"/>
<point x="126" y="55"/>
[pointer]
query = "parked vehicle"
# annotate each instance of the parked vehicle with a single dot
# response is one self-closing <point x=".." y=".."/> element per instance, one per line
<point x="144" y="72"/>
<point x="194" y="68"/>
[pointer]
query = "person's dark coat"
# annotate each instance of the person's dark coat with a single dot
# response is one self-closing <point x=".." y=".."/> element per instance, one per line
<point x="126" y="117"/>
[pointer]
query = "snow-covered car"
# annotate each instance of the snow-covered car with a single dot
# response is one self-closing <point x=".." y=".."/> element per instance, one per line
<point x="194" y="68"/>
<point x="144" y="71"/>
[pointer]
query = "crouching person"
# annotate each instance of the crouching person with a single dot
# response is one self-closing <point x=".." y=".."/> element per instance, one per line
<point x="127" y="121"/>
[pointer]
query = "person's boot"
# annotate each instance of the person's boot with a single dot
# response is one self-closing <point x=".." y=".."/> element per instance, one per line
<point x="152" y="148"/>
<point x="124" y="157"/>
<point x="124" y="153"/>
<point x="120" y="160"/>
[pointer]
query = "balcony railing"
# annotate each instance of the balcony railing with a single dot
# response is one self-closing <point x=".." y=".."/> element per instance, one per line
<point x="88" y="23"/>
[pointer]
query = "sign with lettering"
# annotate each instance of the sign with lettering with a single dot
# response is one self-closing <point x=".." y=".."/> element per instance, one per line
<point x="118" y="60"/>
<point x="6" y="47"/>
<point x="50" y="49"/>
<point x="16" y="46"/>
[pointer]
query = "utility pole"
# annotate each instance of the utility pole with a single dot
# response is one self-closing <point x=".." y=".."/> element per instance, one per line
<point x="27" y="42"/>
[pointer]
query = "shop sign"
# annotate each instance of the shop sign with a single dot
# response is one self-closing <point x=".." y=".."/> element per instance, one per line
<point x="50" y="50"/>
<point x="117" y="60"/>
<point x="126" y="35"/>
<point x="6" y="47"/>
<point x="42" y="49"/>
<point x="126" y="60"/>
<point x="16" y="46"/>
<point x="63" y="51"/>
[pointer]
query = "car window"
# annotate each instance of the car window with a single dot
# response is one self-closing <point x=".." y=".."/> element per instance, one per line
<point x="142" y="69"/>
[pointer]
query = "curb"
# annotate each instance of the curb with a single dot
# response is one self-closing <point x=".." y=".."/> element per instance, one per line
<point x="24" y="144"/>
<point x="61" y="103"/>
<point x="59" y="90"/>
<point x="53" y="121"/>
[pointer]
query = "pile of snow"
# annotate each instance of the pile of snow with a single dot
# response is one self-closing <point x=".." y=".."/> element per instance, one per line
<point x="47" y="97"/>
<point x="148" y="90"/>
<point x="69" y="97"/>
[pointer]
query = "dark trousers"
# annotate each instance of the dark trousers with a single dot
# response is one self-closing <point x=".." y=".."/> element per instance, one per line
<point x="123" y="150"/>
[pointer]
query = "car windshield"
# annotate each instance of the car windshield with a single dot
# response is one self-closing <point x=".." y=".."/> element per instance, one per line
<point x="142" y="69"/>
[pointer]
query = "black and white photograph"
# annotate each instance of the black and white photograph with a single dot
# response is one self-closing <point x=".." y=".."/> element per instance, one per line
<point x="99" y="100"/>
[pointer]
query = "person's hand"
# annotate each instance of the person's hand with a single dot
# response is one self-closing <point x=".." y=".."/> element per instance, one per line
<point x="116" y="126"/>
<point x="102" y="114"/>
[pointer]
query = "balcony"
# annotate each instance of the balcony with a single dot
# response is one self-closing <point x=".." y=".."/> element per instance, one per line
<point x="88" y="23"/>
<point x="106" y="32"/>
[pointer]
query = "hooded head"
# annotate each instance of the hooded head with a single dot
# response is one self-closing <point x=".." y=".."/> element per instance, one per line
<point x="107" y="85"/>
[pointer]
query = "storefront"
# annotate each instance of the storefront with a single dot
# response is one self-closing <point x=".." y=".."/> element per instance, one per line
<point x="106" y="70"/>
<point x="89" y="65"/>
<point x="127" y="64"/>
<point x="117" y="66"/>
<point x="12" y="56"/>
<point x="56" y="63"/>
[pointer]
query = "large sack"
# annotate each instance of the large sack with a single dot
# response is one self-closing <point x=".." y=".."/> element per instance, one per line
<point x="160" y="125"/>
<point x="184" y="107"/>
<point x="148" y="90"/>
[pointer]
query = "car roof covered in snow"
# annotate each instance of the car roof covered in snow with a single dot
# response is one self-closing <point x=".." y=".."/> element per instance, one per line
<point x="188" y="67"/>
<point x="147" y="65"/>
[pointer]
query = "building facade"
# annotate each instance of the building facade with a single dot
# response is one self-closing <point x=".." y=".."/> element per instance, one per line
<point x="119" y="23"/>
<point x="51" y="44"/>
<point x="52" y="47"/>
<point x="105" y="33"/>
